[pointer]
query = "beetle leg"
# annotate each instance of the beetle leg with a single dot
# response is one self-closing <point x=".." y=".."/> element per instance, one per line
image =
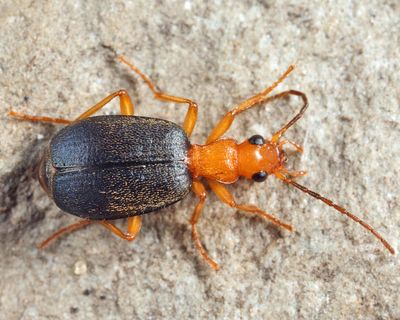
<point x="27" y="117"/>
<point x="65" y="230"/>
<point x="191" y="115"/>
<point x="126" y="107"/>
<point x="225" y="123"/>
<point x="225" y="196"/>
<point x="227" y="120"/>
<point x="134" y="224"/>
<point x="125" y="103"/>
<point x="200" y="191"/>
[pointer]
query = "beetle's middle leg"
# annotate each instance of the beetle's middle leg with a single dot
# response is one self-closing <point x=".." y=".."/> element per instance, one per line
<point x="191" y="115"/>
<point x="125" y="103"/>
<point x="134" y="225"/>
<point x="200" y="191"/>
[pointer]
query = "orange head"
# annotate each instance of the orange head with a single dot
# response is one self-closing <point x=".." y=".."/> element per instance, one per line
<point x="258" y="158"/>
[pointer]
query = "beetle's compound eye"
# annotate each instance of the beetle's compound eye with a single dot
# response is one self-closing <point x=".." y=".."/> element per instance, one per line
<point x="257" y="140"/>
<point x="260" y="176"/>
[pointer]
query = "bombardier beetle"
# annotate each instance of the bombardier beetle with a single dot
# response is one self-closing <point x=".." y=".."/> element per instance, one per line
<point x="104" y="168"/>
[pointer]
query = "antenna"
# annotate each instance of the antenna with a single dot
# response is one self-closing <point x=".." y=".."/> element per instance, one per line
<point x="338" y="208"/>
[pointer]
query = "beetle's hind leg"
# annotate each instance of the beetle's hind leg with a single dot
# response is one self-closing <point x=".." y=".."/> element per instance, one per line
<point x="134" y="225"/>
<point x="27" y="117"/>
<point x="191" y="115"/>
<point x="62" y="231"/>
<point x="125" y="102"/>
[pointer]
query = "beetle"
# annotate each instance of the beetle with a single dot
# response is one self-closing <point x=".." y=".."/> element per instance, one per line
<point x="104" y="168"/>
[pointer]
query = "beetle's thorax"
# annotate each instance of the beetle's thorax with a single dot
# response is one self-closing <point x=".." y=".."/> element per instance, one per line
<point x="226" y="160"/>
<point x="216" y="161"/>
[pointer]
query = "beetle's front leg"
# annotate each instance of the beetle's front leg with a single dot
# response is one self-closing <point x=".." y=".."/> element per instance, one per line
<point x="260" y="97"/>
<point x="225" y="196"/>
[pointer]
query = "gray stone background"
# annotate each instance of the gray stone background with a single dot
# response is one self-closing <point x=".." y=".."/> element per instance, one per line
<point x="59" y="59"/>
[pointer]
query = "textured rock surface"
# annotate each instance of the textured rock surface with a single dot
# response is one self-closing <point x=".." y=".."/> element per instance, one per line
<point x="57" y="60"/>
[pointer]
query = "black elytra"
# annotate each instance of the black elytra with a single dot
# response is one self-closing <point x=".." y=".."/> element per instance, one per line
<point x="257" y="140"/>
<point x="112" y="167"/>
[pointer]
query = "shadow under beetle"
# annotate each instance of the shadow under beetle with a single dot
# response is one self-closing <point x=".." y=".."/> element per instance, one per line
<point x="110" y="167"/>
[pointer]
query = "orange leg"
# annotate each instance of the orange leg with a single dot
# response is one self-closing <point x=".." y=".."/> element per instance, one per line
<point x="191" y="115"/>
<point x="125" y="104"/>
<point x="27" y="117"/>
<point x="225" y="196"/>
<point x="227" y="120"/>
<point x="261" y="97"/>
<point x="126" y="107"/>
<point x="134" y="225"/>
<point x="200" y="191"/>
